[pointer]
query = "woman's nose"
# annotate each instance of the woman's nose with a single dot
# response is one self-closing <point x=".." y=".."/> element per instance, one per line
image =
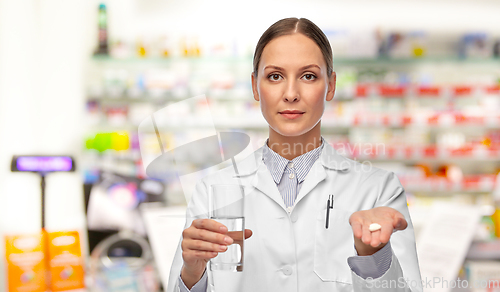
<point x="291" y="93"/>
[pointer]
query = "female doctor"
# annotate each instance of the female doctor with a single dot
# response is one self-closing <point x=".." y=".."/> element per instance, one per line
<point x="288" y="182"/>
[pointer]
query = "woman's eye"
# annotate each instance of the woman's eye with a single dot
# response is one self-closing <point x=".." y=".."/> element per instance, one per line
<point x="309" y="77"/>
<point x="274" y="77"/>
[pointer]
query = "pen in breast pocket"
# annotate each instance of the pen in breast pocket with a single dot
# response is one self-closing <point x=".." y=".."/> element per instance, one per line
<point x="329" y="205"/>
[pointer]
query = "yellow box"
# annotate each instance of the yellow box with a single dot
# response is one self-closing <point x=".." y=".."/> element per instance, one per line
<point x="26" y="266"/>
<point x="66" y="262"/>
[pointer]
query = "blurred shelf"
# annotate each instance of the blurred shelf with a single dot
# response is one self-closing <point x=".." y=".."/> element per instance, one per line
<point x="429" y="153"/>
<point x="258" y="124"/>
<point x="416" y="60"/>
<point x="337" y="61"/>
<point x="138" y="99"/>
<point x="434" y="185"/>
<point x="444" y="120"/>
<point x="114" y="105"/>
<point x="433" y="123"/>
<point x="127" y="157"/>
<point x="403" y="154"/>
<point x="145" y="98"/>
<point x="443" y="192"/>
<point x="377" y="91"/>
<point x="484" y="250"/>
<point x="169" y="60"/>
<point x="425" y="92"/>
<point x="440" y="185"/>
<point x="440" y="160"/>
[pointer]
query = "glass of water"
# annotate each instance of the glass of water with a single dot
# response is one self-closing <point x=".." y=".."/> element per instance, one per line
<point x="226" y="205"/>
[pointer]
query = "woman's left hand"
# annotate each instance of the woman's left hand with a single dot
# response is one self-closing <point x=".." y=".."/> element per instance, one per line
<point x="369" y="242"/>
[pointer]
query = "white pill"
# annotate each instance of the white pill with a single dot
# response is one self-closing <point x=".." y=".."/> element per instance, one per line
<point x="374" y="227"/>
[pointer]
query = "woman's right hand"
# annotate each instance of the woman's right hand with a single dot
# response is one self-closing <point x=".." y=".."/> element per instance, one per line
<point x="202" y="241"/>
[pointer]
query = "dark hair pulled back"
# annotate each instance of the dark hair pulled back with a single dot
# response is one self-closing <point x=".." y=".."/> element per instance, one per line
<point x="289" y="26"/>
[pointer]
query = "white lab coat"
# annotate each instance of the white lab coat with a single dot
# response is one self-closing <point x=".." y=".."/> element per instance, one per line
<point x="292" y="251"/>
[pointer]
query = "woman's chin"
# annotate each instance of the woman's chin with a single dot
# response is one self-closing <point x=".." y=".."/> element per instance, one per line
<point x="291" y="131"/>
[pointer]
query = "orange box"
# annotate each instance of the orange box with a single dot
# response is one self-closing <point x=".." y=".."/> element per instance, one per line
<point x="65" y="260"/>
<point x="25" y="262"/>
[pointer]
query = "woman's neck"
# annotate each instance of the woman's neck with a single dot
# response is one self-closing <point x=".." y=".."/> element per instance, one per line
<point x="290" y="147"/>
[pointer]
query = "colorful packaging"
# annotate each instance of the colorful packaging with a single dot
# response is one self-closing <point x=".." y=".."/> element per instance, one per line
<point x="66" y="262"/>
<point x="496" y="219"/>
<point x="26" y="266"/>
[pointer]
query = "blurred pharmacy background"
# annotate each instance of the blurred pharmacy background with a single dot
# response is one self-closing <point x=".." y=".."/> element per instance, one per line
<point x="418" y="93"/>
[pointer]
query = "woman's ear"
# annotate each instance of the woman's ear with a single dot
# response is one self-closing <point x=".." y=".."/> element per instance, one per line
<point x="254" y="87"/>
<point x="331" y="86"/>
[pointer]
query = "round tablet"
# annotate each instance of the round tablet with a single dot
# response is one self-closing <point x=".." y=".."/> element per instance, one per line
<point x="374" y="227"/>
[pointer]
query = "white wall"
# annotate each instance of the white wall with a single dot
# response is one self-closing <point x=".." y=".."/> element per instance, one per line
<point x="44" y="46"/>
<point x="221" y="18"/>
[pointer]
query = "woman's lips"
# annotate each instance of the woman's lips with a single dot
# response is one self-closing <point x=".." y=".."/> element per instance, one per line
<point x="291" y="114"/>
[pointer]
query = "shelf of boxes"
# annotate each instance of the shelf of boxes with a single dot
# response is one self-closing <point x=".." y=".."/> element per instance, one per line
<point x="469" y="184"/>
<point x="122" y="92"/>
<point x="344" y="61"/>
<point x="411" y="153"/>
<point x="431" y="122"/>
<point x="430" y="91"/>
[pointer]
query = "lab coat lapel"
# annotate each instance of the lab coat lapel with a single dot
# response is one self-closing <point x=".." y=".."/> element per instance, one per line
<point x="316" y="174"/>
<point x="329" y="160"/>
<point x="263" y="181"/>
<point x="253" y="171"/>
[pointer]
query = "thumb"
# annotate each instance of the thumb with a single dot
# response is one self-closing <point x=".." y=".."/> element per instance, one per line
<point x="248" y="233"/>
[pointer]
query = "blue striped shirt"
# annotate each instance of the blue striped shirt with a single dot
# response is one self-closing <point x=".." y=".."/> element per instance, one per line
<point x="290" y="174"/>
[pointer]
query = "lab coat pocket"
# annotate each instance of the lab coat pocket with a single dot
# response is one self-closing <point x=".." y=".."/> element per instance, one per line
<point x="333" y="246"/>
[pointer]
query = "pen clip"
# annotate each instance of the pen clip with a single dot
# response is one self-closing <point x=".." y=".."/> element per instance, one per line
<point x="329" y="205"/>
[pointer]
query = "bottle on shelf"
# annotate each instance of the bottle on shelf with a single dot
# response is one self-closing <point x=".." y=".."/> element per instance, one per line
<point x="195" y="49"/>
<point x="496" y="201"/>
<point x="102" y="49"/>
<point x="141" y="48"/>
<point x="496" y="49"/>
<point x="165" y="47"/>
<point x="185" y="48"/>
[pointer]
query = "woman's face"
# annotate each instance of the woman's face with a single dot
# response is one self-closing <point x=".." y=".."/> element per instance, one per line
<point x="292" y="84"/>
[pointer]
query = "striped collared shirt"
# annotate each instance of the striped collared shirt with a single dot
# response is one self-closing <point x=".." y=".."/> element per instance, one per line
<point x="290" y="174"/>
